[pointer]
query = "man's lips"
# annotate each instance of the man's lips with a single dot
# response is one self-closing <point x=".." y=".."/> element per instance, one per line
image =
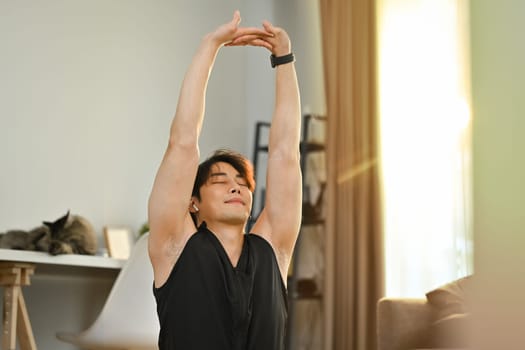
<point x="235" y="200"/>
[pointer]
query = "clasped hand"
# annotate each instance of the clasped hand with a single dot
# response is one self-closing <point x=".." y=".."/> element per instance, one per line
<point x="274" y="39"/>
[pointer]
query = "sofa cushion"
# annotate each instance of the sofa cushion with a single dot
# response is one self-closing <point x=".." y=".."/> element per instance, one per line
<point x="451" y="298"/>
<point x="451" y="301"/>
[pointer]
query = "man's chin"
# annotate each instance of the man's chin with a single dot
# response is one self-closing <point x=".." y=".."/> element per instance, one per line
<point x="237" y="219"/>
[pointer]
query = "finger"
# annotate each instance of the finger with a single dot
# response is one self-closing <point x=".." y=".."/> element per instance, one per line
<point x="236" y="18"/>
<point x="253" y="42"/>
<point x="268" y="27"/>
<point x="246" y="37"/>
<point x="252" y="31"/>
<point x="238" y="43"/>
<point x="261" y="43"/>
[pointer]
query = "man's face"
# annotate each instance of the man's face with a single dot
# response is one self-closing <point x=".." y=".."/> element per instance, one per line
<point x="225" y="196"/>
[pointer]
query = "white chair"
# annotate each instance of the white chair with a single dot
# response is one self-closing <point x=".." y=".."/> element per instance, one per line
<point x="128" y="319"/>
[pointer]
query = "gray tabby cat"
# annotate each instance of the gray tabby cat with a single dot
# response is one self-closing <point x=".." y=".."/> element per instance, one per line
<point x="69" y="234"/>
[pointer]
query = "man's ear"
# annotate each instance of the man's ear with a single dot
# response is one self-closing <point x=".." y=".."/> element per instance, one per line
<point x="194" y="208"/>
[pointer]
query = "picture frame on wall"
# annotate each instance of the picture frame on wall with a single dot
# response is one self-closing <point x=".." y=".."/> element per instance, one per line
<point x="119" y="242"/>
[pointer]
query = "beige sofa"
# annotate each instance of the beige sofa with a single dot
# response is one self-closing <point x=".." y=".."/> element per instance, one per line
<point x="404" y="323"/>
<point x="439" y="321"/>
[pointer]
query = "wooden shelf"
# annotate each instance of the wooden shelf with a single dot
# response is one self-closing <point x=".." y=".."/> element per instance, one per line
<point x="317" y="296"/>
<point x="305" y="147"/>
<point x="311" y="146"/>
<point x="312" y="221"/>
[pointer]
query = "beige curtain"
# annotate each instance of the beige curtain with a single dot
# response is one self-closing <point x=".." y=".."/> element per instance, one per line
<point x="354" y="267"/>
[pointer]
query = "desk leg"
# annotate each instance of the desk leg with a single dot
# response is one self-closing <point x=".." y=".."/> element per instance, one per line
<point x="11" y="294"/>
<point x="15" y="319"/>
<point x="23" y="326"/>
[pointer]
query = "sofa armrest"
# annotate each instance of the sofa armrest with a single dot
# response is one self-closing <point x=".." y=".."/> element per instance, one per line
<point x="403" y="323"/>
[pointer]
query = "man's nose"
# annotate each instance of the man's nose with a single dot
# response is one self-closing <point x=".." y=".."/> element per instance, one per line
<point x="235" y="189"/>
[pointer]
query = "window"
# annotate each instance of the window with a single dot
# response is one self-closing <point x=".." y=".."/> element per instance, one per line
<point x="425" y="143"/>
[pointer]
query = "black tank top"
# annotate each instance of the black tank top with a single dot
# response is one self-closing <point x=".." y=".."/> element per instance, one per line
<point x="206" y="303"/>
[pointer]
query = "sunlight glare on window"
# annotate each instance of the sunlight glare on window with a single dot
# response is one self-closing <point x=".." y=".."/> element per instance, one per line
<point x="424" y="116"/>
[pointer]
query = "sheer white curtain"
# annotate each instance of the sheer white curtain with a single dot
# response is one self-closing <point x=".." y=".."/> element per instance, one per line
<point x="425" y="143"/>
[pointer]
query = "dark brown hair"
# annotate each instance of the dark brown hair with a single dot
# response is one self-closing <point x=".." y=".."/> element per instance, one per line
<point x="236" y="160"/>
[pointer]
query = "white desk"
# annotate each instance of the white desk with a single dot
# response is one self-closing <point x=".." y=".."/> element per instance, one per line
<point x="69" y="260"/>
<point x="16" y="268"/>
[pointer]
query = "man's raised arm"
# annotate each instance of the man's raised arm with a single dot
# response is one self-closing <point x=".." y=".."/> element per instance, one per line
<point x="281" y="218"/>
<point x="284" y="180"/>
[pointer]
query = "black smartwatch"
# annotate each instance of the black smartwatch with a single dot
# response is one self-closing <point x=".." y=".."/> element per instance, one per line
<point x="278" y="60"/>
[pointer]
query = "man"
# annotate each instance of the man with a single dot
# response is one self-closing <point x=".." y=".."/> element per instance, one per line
<point x="216" y="287"/>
